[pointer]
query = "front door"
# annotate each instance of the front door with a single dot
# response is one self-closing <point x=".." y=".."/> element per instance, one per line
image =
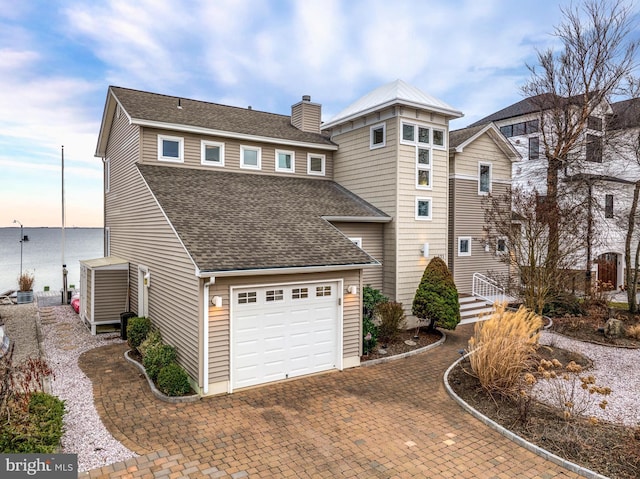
<point x="608" y="270"/>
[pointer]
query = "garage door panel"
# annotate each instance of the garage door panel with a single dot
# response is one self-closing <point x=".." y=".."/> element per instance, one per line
<point x="291" y="335"/>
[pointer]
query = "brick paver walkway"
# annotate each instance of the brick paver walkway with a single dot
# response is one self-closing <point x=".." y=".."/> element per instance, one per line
<point x="392" y="420"/>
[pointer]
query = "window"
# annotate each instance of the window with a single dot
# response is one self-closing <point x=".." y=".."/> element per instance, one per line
<point x="299" y="293"/>
<point x="357" y="242"/>
<point x="211" y="153"/>
<point x="484" y="179"/>
<point x="170" y="148"/>
<point x="464" y="246"/>
<point x="408" y="133"/>
<point x="534" y="148"/>
<point x="594" y="148"/>
<point x="608" y="206"/>
<point x="423" y="165"/>
<point x="377" y="136"/>
<point x="274" y="295"/>
<point x="507" y="130"/>
<point x="438" y="137"/>
<point x="423" y="135"/>
<point x="249" y="297"/>
<point x="315" y="164"/>
<point x="285" y="161"/>
<point x="531" y="126"/>
<point x="250" y="157"/>
<point x="518" y="129"/>
<point x="594" y="123"/>
<point x="541" y="207"/>
<point x="323" y="291"/>
<point x="423" y="208"/>
<point x="501" y="245"/>
<point x="107" y="175"/>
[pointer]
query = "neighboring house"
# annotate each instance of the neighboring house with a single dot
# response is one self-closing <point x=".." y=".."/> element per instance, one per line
<point x="248" y="236"/>
<point x="603" y="166"/>
<point x="480" y="161"/>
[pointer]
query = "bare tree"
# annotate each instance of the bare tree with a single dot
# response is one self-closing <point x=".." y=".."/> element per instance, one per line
<point x="596" y="59"/>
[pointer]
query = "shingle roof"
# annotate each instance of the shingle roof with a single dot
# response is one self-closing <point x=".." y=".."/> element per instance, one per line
<point x="523" y="107"/>
<point x="626" y="114"/>
<point x="457" y="137"/>
<point x="237" y="221"/>
<point x="141" y="105"/>
<point x="397" y="91"/>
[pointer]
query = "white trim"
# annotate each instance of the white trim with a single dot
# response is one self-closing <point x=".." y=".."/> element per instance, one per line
<point x="458" y="176"/>
<point x="422" y="167"/>
<point x="143" y="291"/>
<point x="373" y="128"/>
<point x="107" y="241"/>
<point x="460" y="240"/>
<point x="358" y="219"/>
<point x="480" y="165"/>
<point x="418" y="200"/>
<point x="258" y="151"/>
<point x="294" y="270"/>
<point x="107" y="175"/>
<point x="205" y="336"/>
<point x="324" y="164"/>
<point x="171" y="159"/>
<point x="506" y="246"/>
<point x="203" y="153"/>
<point x="293" y="161"/>
<point x="444" y="139"/>
<point x="227" y="134"/>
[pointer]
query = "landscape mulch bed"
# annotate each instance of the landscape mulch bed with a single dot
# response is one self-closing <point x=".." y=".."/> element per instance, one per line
<point x="399" y="346"/>
<point x="609" y="449"/>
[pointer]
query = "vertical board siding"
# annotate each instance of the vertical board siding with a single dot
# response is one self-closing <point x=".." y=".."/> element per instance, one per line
<point x="111" y="294"/>
<point x="141" y="234"/>
<point x="372" y="175"/>
<point x="89" y="308"/>
<point x="372" y="235"/>
<point x="192" y="154"/>
<point x="219" y="318"/>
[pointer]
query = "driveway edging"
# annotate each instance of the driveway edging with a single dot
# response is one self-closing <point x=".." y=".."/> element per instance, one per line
<point x="571" y="466"/>
<point x="373" y="362"/>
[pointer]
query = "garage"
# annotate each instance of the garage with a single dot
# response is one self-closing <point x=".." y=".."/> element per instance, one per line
<point x="284" y="331"/>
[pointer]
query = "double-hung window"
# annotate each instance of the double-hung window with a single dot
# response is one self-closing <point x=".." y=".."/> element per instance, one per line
<point x="170" y="148"/>
<point x="211" y="153"/>
<point x="423" y="166"/>
<point x="285" y="161"/>
<point x="250" y="157"/>
<point x="534" y="148"/>
<point x="464" y="246"/>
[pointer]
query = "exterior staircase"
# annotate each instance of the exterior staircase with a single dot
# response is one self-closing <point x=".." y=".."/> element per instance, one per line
<point x="473" y="308"/>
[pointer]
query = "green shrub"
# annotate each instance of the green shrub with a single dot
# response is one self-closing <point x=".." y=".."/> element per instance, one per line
<point x="173" y="380"/>
<point x="370" y="299"/>
<point x="158" y="357"/>
<point x="137" y="331"/>
<point x="37" y="430"/>
<point x="369" y="328"/>
<point x="436" y="298"/>
<point x="153" y="339"/>
<point x="564" y="303"/>
<point x="392" y="319"/>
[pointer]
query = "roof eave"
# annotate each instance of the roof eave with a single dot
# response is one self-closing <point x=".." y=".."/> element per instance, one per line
<point x="505" y="145"/>
<point x="436" y="109"/>
<point x="228" y="134"/>
<point x="284" y="270"/>
<point x="359" y="219"/>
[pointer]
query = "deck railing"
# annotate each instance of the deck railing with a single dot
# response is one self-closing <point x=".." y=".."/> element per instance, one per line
<point x="488" y="289"/>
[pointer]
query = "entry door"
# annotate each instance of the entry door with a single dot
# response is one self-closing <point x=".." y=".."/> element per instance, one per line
<point x="284" y="331"/>
<point x="608" y="269"/>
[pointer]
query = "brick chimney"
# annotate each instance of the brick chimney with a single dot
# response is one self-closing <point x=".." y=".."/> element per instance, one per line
<point x="306" y="116"/>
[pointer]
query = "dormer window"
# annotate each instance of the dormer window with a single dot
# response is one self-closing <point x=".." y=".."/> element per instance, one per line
<point x="212" y="153"/>
<point x="285" y="161"/>
<point x="250" y="157"/>
<point x="170" y="148"/>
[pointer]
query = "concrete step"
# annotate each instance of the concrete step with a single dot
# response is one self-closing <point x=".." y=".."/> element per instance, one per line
<point x="473" y="309"/>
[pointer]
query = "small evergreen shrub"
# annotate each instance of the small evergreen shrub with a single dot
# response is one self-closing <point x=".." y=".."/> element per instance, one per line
<point x="37" y="430"/>
<point x="158" y="357"/>
<point x="370" y="299"/>
<point x="153" y="339"/>
<point x="173" y="380"/>
<point x="369" y="334"/>
<point x="137" y="331"/>
<point x="436" y="298"/>
<point x="392" y="319"/>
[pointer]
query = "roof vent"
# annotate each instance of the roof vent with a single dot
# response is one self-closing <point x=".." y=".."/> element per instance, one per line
<point x="180" y="103"/>
<point x="249" y="108"/>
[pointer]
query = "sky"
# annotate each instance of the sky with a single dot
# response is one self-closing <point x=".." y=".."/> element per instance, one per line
<point x="58" y="57"/>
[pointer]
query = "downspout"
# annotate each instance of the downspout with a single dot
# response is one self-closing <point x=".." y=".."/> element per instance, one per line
<point x="205" y="338"/>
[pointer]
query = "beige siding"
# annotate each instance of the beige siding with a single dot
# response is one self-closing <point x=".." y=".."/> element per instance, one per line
<point x="141" y="234"/>
<point x="372" y="175"/>
<point x="219" y="326"/>
<point x="484" y="150"/>
<point x="89" y="308"/>
<point x="110" y="294"/>
<point x="469" y="220"/>
<point x="192" y="153"/>
<point x="306" y="116"/>
<point x="372" y="235"/>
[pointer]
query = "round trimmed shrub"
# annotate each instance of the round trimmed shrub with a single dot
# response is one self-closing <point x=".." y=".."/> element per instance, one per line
<point x="173" y="380"/>
<point x="158" y="357"/>
<point x="137" y="331"/>
<point x="436" y="298"/>
<point x="153" y="339"/>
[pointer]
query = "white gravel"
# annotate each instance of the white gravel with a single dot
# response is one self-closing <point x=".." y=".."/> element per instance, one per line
<point x="616" y="368"/>
<point x="64" y="340"/>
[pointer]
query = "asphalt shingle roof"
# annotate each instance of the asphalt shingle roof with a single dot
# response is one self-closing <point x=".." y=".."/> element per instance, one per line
<point x="238" y="221"/>
<point x="147" y="106"/>
<point x="626" y="114"/>
<point x="457" y="137"/>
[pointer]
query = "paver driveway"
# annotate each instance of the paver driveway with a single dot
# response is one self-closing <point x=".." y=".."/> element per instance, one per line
<point x="389" y="420"/>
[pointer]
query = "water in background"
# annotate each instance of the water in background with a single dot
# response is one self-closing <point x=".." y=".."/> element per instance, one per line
<point x="42" y="255"/>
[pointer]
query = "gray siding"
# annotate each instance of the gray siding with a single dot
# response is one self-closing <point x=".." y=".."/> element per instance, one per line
<point x="89" y="309"/>
<point x="110" y="294"/>
<point x="372" y="235"/>
<point x="141" y="234"/>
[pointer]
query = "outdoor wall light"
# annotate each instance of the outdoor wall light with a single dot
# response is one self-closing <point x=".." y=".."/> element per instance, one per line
<point x="425" y="250"/>
<point x="217" y="301"/>
<point x="352" y="289"/>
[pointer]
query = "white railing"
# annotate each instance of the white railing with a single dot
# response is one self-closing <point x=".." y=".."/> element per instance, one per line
<point x="487" y="289"/>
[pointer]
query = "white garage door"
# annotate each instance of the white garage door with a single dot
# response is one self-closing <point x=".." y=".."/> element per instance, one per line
<point x="283" y="331"/>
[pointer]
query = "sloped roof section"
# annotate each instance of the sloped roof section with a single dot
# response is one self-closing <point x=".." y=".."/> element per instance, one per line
<point x="626" y="114"/>
<point x="396" y="92"/>
<point x="523" y="107"/>
<point x="458" y="137"/>
<point x="239" y="221"/>
<point x="171" y="110"/>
